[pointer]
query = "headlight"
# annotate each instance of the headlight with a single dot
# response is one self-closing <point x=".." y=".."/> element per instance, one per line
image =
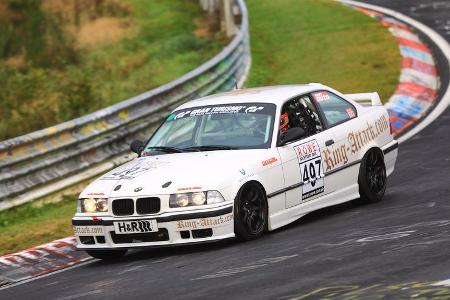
<point x="195" y="199"/>
<point x="214" y="197"/>
<point x="198" y="198"/>
<point x="91" y="205"/>
<point x="182" y="200"/>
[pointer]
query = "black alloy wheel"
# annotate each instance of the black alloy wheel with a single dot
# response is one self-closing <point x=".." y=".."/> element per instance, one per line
<point x="250" y="218"/>
<point x="372" y="177"/>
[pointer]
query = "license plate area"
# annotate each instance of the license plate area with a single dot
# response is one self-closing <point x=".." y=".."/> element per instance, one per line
<point x="137" y="226"/>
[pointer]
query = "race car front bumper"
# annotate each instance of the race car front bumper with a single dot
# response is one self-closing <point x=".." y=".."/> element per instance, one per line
<point x="169" y="229"/>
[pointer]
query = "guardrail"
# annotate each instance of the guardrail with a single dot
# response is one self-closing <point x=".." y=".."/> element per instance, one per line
<point x="44" y="157"/>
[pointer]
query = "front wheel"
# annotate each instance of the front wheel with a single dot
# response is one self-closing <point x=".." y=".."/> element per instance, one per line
<point x="107" y="254"/>
<point x="372" y="177"/>
<point x="250" y="212"/>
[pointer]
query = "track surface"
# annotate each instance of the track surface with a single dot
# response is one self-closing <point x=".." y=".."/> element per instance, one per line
<point x="344" y="251"/>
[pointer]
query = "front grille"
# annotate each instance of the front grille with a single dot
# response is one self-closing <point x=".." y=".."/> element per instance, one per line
<point x="150" y="205"/>
<point x="161" y="235"/>
<point x="123" y="207"/>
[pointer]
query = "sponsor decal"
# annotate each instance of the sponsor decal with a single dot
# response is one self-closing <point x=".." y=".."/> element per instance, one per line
<point x="253" y="109"/>
<point x="96" y="194"/>
<point x="311" y="169"/>
<point x="139" y="226"/>
<point x="204" y="222"/>
<point x="133" y="171"/>
<point x="189" y="188"/>
<point x="269" y="161"/>
<point x="338" y="155"/>
<point x="307" y="150"/>
<point x="321" y="96"/>
<point x="245" y="175"/>
<point x="259" y="108"/>
<point x="93" y="230"/>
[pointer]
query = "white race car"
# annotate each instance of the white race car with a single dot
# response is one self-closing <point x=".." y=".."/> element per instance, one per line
<point x="237" y="164"/>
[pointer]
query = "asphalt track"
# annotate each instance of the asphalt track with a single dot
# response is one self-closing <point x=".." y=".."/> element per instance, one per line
<point x="394" y="249"/>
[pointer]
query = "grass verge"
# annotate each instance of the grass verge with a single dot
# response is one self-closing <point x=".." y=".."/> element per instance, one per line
<point x="321" y="41"/>
<point x="33" y="224"/>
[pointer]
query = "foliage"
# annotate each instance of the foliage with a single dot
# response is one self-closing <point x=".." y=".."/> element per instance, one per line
<point x="52" y="74"/>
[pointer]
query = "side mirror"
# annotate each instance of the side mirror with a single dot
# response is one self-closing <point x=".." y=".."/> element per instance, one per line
<point x="137" y="146"/>
<point x="293" y="134"/>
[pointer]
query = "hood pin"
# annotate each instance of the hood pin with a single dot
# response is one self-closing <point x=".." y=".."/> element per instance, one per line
<point x="166" y="184"/>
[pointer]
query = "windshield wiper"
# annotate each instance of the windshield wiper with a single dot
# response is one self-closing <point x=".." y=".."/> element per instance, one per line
<point x="166" y="149"/>
<point x="211" y="148"/>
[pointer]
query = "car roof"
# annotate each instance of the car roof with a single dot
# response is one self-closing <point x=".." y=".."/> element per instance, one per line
<point x="268" y="94"/>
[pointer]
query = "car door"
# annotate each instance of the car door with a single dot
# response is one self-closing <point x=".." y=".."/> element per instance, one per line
<point x="340" y="120"/>
<point x="302" y="159"/>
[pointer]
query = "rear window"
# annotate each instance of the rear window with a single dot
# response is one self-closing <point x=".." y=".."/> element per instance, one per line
<point x="335" y="109"/>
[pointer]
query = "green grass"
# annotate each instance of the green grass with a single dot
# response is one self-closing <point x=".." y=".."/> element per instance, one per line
<point x="292" y="42"/>
<point x="30" y="225"/>
<point x="321" y="41"/>
<point x="160" y="46"/>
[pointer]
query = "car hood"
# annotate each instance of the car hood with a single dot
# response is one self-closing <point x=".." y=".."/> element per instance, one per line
<point x="172" y="173"/>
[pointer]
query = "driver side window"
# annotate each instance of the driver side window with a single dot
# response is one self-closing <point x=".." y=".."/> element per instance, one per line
<point x="300" y="112"/>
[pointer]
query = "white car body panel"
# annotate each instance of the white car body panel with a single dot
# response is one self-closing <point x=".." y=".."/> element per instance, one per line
<point x="277" y="169"/>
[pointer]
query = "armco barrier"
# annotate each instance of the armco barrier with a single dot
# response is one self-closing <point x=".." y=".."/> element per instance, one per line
<point x="46" y="156"/>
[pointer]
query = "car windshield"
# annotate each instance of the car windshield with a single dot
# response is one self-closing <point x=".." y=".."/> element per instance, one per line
<point x="215" y="127"/>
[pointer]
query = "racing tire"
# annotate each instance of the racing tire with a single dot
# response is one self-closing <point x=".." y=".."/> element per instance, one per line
<point x="250" y="212"/>
<point x="107" y="254"/>
<point x="372" y="177"/>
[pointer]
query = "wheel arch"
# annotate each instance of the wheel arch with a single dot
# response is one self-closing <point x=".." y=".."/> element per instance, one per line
<point x="252" y="181"/>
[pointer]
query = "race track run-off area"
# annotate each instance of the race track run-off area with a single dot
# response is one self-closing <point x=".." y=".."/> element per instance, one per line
<point x="397" y="249"/>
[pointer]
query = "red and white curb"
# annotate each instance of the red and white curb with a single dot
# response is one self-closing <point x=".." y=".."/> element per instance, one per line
<point x="444" y="48"/>
<point x="40" y="260"/>
<point x="419" y="82"/>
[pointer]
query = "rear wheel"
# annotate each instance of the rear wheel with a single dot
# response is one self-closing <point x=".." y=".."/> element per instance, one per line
<point x="107" y="254"/>
<point x="372" y="177"/>
<point x="250" y="212"/>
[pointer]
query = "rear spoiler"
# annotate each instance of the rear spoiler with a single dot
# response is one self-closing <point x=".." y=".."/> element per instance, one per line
<point x="372" y="99"/>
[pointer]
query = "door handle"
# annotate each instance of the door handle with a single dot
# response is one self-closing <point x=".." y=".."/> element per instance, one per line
<point x="329" y="143"/>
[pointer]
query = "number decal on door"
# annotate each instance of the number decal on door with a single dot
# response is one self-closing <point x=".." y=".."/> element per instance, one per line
<point x="311" y="171"/>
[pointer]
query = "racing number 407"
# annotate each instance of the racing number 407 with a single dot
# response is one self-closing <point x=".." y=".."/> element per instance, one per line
<point x="311" y="170"/>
